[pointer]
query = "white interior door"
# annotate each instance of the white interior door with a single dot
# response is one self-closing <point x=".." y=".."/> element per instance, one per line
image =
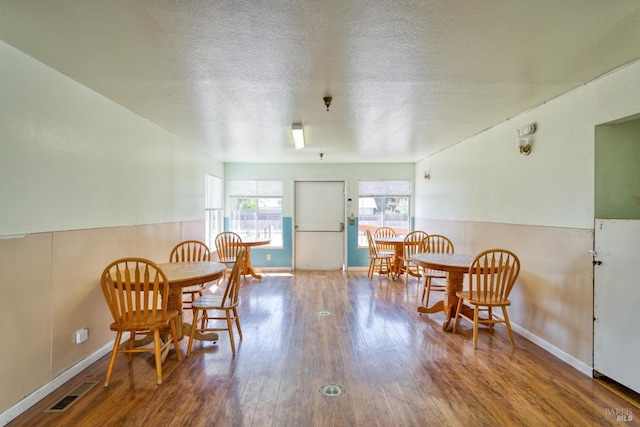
<point x="319" y="225"/>
<point x="616" y="336"/>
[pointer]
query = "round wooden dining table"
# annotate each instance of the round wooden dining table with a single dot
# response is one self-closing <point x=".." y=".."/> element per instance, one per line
<point x="248" y="243"/>
<point x="398" y="245"/>
<point x="184" y="274"/>
<point x="456" y="266"/>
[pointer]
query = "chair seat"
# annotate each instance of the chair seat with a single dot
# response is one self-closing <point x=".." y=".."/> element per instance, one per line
<point x="437" y="274"/>
<point x="192" y="289"/>
<point x="492" y="300"/>
<point x="226" y="260"/>
<point x="149" y="323"/>
<point x="208" y="302"/>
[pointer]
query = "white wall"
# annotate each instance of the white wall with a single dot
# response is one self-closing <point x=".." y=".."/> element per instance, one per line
<point x="485" y="194"/>
<point x="485" y="178"/>
<point x="72" y="159"/>
<point x="83" y="181"/>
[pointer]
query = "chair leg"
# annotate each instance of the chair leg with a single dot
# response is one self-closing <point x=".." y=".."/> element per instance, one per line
<point x="426" y="289"/>
<point x="457" y="315"/>
<point x="112" y="360"/>
<point x="508" y="325"/>
<point x="230" y="329"/>
<point x="235" y="314"/>
<point x="476" y="317"/>
<point x="406" y="273"/>
<point x="378" y="265"/>
<point x="174" y="338"/>
<point x="132" y="345"/>
<point x="371" y="267"/>
<point x="196" y="312"/>
<point x="204" y="319"/>
<point x="158" y="355"/>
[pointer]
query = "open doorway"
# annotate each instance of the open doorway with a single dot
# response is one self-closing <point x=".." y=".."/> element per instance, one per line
<point x="616" y="342"/>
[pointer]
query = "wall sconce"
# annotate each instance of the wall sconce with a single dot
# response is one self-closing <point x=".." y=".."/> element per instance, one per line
<point x="298" y="135"/>
<point x="427" y="175"/>
<point x="523" y="138"/>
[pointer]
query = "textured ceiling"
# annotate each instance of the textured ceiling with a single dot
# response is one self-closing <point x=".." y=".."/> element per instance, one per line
<point x="407" y="78"/>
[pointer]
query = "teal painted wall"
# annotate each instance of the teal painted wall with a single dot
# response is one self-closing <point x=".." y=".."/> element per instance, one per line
<point x="350" y="173"/>
<point x="280" y="257"/>
<point x="283" y="257"/>
<point x="357" y="257"/>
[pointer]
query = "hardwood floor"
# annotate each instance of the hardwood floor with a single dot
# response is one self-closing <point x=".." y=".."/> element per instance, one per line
<point x="397" y="369"/>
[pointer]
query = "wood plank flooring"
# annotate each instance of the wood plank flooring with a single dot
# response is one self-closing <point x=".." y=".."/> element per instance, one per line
<point x="397" y="369"/>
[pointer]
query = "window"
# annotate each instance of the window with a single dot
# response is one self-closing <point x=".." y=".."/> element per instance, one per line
<point x="256" y="209"/>
<point x="383" y="203"/>
<point x="213" y="208"/>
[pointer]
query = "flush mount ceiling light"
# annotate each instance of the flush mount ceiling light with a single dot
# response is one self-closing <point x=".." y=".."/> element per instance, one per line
<point x="298" y="135"/>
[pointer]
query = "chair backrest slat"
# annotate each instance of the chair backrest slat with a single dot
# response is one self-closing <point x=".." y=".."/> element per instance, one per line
<point x="190" y="250"/>
<point x="492" y="275"/>
<point x="228" y="244"/>
<point x="413" y="243"/>
<point x="373" y="250"/>
<point x="384" y="232"/>
<point x="438" y="244"/>
<point x="133" y="289"/>
<point x="231" y="291"/>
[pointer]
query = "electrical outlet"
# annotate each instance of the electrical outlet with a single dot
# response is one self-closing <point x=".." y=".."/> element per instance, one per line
<point x="82" y="335"/>
<point x="268" y="257"/>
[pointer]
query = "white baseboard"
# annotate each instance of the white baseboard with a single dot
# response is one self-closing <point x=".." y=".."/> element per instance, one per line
<point x="275" y="269"/>
<point x="51" y="386"/>
<point x="567" y="358"/>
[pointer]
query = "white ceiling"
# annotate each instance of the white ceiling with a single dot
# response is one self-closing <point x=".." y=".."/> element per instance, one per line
<point x="407" y="77"/>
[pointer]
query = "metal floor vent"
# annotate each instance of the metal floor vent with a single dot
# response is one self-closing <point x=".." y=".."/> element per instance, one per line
<point x="64" y="403"/>
<point x="332" y="391"/>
